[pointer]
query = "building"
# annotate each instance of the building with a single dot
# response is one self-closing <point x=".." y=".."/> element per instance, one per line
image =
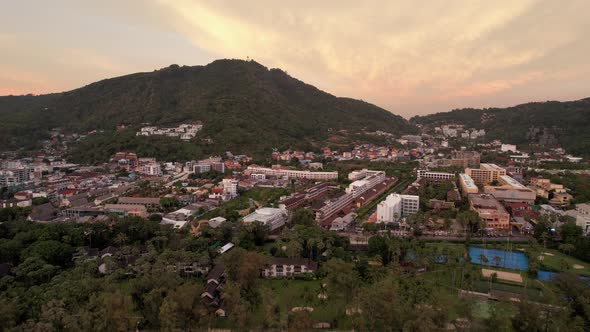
<point x="358" y="187"/>
<point x="360" y="174"/>
<point x="327" y="209"/>
<point x="467" y="185"/>
<point x="486" y="174"/>
<point x="306" y="196"/>
<point x="278" y="171"/>
<point x="149" y="202"/>
<point x="465" y="159"/>
<point x="126" y="160"/>
<point x="390" y="209"/>
<point x="212" y="294"/>
<point x="508" y="147"/>
<point x="396" y="206"/>
<point x="511" y="191"/>
<point x="490" y="210"/>
<point x="216" y="222"/>
<point x="208" y="165"/>
<point x="151" y="169"/>
<point x="583" y="216"/>
<point x="286" y="267"/>
<point x="410" y="204"/>
<point x="201" y="168"/>
<point x="230" y="189"/>
<point x="127" y="210"/>
<point x="434" y="176"/>
<point x="271" y="217"/>
<point x="560" y="199"/>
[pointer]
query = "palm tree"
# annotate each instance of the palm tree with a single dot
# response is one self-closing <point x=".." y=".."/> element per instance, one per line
<point x="497" y="260"/>
<point x="484" y="259"/>
<point x="567" y="248"/>
<point x="544" y="237"/>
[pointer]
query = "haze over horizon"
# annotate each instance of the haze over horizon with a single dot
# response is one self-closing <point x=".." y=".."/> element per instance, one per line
<point x="406" y="58"/>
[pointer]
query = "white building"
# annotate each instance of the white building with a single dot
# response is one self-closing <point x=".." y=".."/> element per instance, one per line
<point x="271" y="217"/>
<point x="360" y="174"/>
<point x="358" y="187"/>
<point x="396" y="206"/>
<point x="230" y="189"/>
<point x="467" y="184"/>
<point x="293" y="174"/>
<point x="583" y="216"/>
<point x="151" y="169"/>
<point x="508" y="147"/>
<point x="434" y="176"/>
<point x="390" y="209"/>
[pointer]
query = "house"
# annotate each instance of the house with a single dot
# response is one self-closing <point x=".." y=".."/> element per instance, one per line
<point x="285" y="267"/>
<point x="560" y="199"/>
<point x="225" y="248"/>
<point x="43" y="213"/>
<point x="212" y="294"/>
<point x="216" y="222"/>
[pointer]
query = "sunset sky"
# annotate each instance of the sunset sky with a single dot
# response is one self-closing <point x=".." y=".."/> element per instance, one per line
<point x="410" y="57"/>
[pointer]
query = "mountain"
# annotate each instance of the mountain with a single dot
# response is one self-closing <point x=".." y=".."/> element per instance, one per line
<point x="244" y="107"/>
<point x="537" y="124"/>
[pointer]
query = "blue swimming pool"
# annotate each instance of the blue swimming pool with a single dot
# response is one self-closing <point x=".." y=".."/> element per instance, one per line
<point x="506" y="259"/>
<point x="546" y="275"/>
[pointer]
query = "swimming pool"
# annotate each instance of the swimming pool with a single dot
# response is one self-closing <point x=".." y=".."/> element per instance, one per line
<point x="507" y="259"/>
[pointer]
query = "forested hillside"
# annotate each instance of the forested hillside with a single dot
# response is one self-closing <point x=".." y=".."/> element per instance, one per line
<point x="565" y="123"/>
<point x="244" y="106"/>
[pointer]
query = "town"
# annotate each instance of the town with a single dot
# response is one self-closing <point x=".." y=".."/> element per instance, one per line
<point x="442" y="187"/>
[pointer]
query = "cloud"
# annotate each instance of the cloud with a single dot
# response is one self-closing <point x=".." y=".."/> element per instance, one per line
<point x="409" y="57"/>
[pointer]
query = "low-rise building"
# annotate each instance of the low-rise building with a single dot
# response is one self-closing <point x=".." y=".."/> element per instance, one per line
<point x="127" y="210"/>
<point x="467" y="184"/>
<point x="286" y="267"/>
<point x="435" y="176"/>
<point x="149" y="202"/>
<point x="511" y="191"/>
<point x="583" y="216"/>
<point x="490" y="210"/>
<point x="358" y="187"/>
<point x="292" y="174"/>
<point x="272" y="217"/>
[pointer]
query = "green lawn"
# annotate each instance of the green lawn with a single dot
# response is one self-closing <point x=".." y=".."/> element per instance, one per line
<point x="300" y="293"/>
<point x="555" y="263"/>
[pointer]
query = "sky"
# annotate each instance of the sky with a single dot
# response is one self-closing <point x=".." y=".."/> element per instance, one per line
<point x="409" y="57"/>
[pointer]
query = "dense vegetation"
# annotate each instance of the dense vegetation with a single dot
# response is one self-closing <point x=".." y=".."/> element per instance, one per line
<point x="567" y="121"/>
<point x="245" y="107"/>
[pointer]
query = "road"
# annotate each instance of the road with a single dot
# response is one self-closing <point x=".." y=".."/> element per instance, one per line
<point x="181" y="177"/>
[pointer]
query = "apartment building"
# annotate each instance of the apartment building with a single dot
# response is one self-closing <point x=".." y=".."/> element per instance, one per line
<point x="396" y="206"/>
<point x="485" y="174"/>
<point x="151" y="169"/>
<point x="230" y="189"/>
